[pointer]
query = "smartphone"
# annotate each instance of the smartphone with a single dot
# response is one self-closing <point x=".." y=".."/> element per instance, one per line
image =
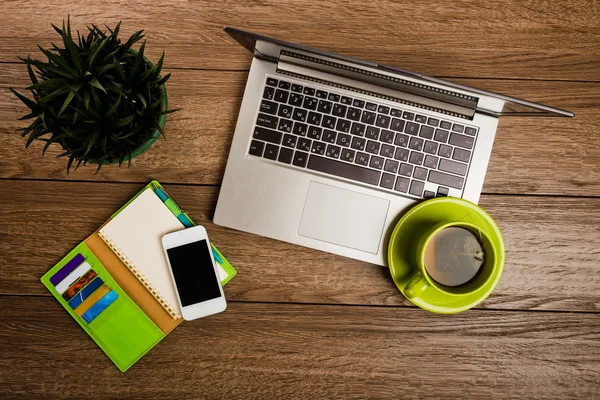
<point x="194" y="273"/>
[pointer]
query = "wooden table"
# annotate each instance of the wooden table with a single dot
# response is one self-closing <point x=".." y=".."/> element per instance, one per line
<point x="302" y="323"/>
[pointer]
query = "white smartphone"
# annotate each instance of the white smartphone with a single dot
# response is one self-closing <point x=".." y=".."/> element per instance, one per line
<point x="194" y="273"/>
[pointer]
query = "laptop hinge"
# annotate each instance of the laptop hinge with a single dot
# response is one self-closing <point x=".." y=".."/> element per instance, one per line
<point x="375" y="83"/>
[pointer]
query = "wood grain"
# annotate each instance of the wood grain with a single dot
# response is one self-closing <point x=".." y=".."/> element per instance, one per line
<point x="276" y="351"/>
<point x="530" y="155"/>
<point x="552" y="258"/>
<point x="537" y="40"/>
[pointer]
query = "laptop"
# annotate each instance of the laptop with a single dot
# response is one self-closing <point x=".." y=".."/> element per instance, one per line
<point x="330" y="151"/>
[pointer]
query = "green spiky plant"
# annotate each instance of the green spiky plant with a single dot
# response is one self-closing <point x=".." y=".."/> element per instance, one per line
<point x="97" y="98"/>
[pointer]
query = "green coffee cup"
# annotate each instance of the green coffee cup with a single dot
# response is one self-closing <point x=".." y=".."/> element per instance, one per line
<point x="421" y="279"/>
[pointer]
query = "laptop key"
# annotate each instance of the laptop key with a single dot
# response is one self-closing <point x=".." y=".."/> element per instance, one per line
<point x="271" y="151"/>
<point x="267" y="135"/>
<point x="431" y="161"/>
<point x="383" y="121"/>
<point x="416" y="143"/>
<point x="353" y="114"/>
<point x="368" y="117"/>
<point x="396" y="113"/>
<point x="310" y="103"/>
<point x="314" y="132"/>
<point x="269" y="93"/>
<point x="314" y="118"/>
<point x="443" y="191"/>
<point x="401" y="154"/>
<point x="453" y="167"/>
<point x="267" y="120"/>
<point x="346" y="100"/>
<point x="416" y="188"/>
<point x="303" y="144"/>
<point x="458" y="128"/>
<point x="289" y="140"/>
<point x="391" y="166"/>
<point x="256" y="148"/>
<point x="376" y="162"/>
<point x="426" y="132"/>
<point x="358" y="103"/>
<point x="272" y="81"/>
<point x="411" y="128"/>
<point x="445" y="151"/>
<point x="296" y="99"/>
<point x="461" y="155"/>
<point x="429" y="194"/>
<point x="357" y="129"/>
<point x="347" y="155"/>
<point x="285" y="111"/>
<point x="344" y="170"/>
<point x="358" y="143"/>
<point x="309" y="91"/>
<point x="420" y="173"/>
<point x="324" y="106"/>
<point x="441" y="135"/>
<point x="397" y="125"/>
<point x="343" y="140"/>
<point x="300" y="159"/>
<point x="461" y="140"/>
<point x="343" y="125"/>
<point x="372" y="133"/>
<point x="321" y="94"/>
<point x="268" y="107"/>
<point x="284" y="85"/>
<point x="281" y="96"/>
<point x="430" y="147"/>
<point x="401" y="140"/>
<point x="285" y="155"/>
<point x="296" y="88"/>
<point x="333" y="97"/>
<point x="445" y="125"/>
<point x="329" y="136"/>
<point x="318" y="148"/>
<point x="339" y="110"/>
<point x="405" y="169"/>
<point x="362" y="158"/>
<point x="421" y="119"/>
<point x="387" y="136"/>
<point x="387" y="150"/>
<point x="401" y="184"/>
<point x="445" y="179"/>
<point x="285" y="125"/>
<point x="300" y="129"/>
<point x="408" y="115"/>
<point x="433" y="122"/>
<point x="416" y="158"/>
<point x="299" y="114"/>
<point x="371" y="106"/>
<point x="387" y="181"/>
<point x="383" y="110"/>
<point x="333" y="151"/>
<point x="328" y="122"/>
<point x="373" y="147"/>
<point x="470" y="131"/>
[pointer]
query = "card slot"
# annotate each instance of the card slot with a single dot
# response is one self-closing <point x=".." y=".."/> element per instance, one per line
<point x="100" y="306"/>
<point x="91" y="300"/>
<point x="85" y="292"/>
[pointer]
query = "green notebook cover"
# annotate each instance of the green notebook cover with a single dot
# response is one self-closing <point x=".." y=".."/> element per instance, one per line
<point x="122" y="330"/>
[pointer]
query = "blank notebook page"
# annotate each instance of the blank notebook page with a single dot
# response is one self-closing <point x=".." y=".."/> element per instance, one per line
<point x="135" y="235"/>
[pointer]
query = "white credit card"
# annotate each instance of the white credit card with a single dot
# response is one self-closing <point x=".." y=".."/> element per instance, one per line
<point x="73" y="277"/>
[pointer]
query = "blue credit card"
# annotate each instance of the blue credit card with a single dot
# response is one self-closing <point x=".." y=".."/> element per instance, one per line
<point x="85" y="292"/>
<point x="100" y="306"/>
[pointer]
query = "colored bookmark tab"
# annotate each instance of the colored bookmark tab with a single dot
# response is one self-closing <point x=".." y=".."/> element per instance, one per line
<point x="85" y="293"/>
<point x="67" y="269"/>
<point x="100" y="306"/>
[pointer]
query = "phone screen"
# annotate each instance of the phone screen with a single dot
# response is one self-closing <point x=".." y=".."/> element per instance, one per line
<point x="194" y="273"/>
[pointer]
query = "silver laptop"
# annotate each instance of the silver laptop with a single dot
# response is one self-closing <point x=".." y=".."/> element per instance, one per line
<point x="329" y="151"/>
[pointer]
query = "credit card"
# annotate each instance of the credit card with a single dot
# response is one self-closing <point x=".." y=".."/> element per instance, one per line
<point x="73" y="277"/>
<point x="91" y="300"/>
<point x="85" y="292"/>
<point x="67" y="269"/>
<point x="100" y="306"/>
<point x="80" y="284"/>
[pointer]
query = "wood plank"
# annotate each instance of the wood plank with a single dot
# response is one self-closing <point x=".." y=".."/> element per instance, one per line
<point x="552" y="257"/>
<point x="531" y="155"/>
<point x="558" y="40"/>
<point x="275" y="351"/>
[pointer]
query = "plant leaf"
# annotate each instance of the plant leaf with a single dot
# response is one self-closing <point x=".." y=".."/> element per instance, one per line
<point x="71" y="48"/>
<point x="66" y="103"/>
<point x="71" y="159"/>
<point x="94" y="82"/>
<point x="95" y="53"/>
<point x="29" y="103"/>
<point x="124" y="121"/>
<point x="114" y="107"/>
<point x="91" y="142"/>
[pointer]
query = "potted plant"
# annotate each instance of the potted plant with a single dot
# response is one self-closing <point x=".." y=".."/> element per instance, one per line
<point x="99" y="99"/>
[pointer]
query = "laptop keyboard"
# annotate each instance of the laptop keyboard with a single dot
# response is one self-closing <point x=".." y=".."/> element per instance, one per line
<point x="392" y="149"/>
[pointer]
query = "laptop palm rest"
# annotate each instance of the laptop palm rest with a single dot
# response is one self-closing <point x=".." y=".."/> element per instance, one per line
<point x="343" y="217"/>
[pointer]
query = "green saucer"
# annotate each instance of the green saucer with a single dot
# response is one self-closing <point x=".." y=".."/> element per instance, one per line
<point x="402" y="254"/>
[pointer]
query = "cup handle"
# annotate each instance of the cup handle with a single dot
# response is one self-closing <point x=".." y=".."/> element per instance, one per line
<point x="415" y="286"/>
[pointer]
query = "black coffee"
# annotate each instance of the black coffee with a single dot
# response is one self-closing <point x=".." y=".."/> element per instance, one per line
<point x="454" y="256"/>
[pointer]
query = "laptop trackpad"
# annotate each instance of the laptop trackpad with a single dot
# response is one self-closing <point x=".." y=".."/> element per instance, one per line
<point x="343" y="217"/>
